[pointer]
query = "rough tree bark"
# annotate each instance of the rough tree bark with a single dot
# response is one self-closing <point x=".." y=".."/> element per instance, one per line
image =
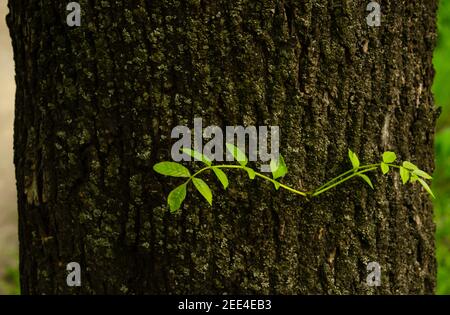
<point x="95" y="105"/>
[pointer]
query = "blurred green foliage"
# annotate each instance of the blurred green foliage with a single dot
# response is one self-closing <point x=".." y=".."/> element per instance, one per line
<point x="9" y="284"/>
<point x="441" y="183"/>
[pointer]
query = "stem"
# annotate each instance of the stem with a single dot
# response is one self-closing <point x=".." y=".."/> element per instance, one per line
<point x="210" y="167"/>
<point x="304" y="194"/>
<point x="318" y="192"/>
<point x="325" y="187"/>
<point x="256" y="174"/>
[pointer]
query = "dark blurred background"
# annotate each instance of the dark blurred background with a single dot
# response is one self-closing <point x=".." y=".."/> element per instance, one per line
<point x="441" y="183"/>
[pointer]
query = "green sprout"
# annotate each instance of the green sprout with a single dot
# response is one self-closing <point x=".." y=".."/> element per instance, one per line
<point x="408" y="173"/>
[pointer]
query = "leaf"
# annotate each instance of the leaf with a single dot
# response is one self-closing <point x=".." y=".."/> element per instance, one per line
<point x="353" y="158"/>
<point x="221" y="176"/>
<point x="277" y="185"/>
<point x="404" y="174"/>
<point x="410" y="166"/>
<point x="389" y="157"/>
<point x="251" y="173"/>
<point x="237" y="154"/>
<point x="366" y="179"/>
<point x="171" y="169"/>
<point x="384" y="168"/>
<point x="197" y="156"/>
<point x="425" y="185"/>
<point x="203" y="189"/>
<point x="176" y="197"/>
<point x="414" y="178"/>
<point x="422" y="174"/>
<point x="278" y="168"/>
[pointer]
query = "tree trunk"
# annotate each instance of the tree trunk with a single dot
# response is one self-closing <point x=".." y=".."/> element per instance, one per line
<point x="95" y="106"/>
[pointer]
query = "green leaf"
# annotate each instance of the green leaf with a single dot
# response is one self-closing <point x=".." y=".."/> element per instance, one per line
<point x="425" y="185"/>
<point x="422" y="174"/>
<point x="414" y="178"/>
<point x="278" y="168"/>
<point x="176" y="197"/>
<point x="237" y="154"/>
<point x="277" y="185"/>
<point x="353" y="158"/>
<point x="251" y="173"/>
<point x="221" y="176"/>
<point x="389" y="157"/>
<point x="384" y="168"/>
<point x="366" y="179"/>
<point x="197" y="156"/>
<point x="171" y="169"/>
<point x="404" y="174"/>
<point x="410" y="166"/>
<point x="203" y="189"/>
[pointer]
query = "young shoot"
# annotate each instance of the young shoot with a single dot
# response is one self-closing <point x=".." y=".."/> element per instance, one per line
<point x="408" y="173"/>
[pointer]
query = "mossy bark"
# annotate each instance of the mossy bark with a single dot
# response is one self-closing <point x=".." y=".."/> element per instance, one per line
<point x="95" y="105"/>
